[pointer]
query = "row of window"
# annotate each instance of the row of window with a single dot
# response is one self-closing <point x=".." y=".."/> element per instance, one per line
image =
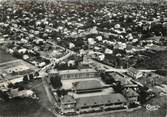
<point x="80" y="75"/>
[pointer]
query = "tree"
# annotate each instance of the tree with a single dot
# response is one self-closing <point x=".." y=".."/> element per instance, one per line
<point x="106" y="78"/>
<point x="58" y="93"/>
<point x="17" y="55"/>
<point x="4" y="95"/>
<point x="11" y="85"/>
<point x="143" y="94"/>
<point x="118" y="87"/>
<point x="36" y="73"/>
<point x="25" y="78"/>
<point x="20" y="86"/>
<point x="61" y="92"/>
<point x="56" y="81"/>
<point x="31" y="76"/>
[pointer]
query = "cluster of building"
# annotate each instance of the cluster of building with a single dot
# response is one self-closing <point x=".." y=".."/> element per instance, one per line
<point x="77" y="74"/>
<point x="114" y="31"/>
<point x="13" y="93"/>
<point x="122" y="1"/>
<point x="47" y="33"/>
<point x="13" y="70"/>
<point x="86" y="92"/>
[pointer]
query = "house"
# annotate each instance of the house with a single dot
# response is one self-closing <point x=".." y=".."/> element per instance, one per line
<point x="131" y="95"/>
<point x="134" y="73"/>
<point x="86" y="60"/>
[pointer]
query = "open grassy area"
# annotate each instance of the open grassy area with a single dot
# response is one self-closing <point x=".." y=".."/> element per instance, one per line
<point x="23" y="107"/>
<point x="157" y="60"/>
<point x="5" y="57"/>
<point x="28" y="107"/>
<point x="37" y="86"/>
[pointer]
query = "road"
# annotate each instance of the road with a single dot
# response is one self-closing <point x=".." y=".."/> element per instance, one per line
<point x="50" y="97"/>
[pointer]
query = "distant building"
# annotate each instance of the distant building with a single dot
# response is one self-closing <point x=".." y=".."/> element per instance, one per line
<point x="131" y="95"/>
<point x="134" y="73"/>
<point x="23" y="93"/>
<point x="14" y="71"/>
<point x="125" y="81"/>
<point x="86" y="60"/>
<point x="78" y="74"/>
<point x="53" y="72"/>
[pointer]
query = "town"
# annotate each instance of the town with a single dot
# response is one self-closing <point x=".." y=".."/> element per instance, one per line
<point x="86" y="58"/>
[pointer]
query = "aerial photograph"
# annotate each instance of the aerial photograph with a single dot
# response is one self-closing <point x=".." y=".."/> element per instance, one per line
<point x="83" y="58"/>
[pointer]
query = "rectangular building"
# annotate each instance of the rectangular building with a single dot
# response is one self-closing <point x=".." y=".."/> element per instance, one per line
<point x="78" y="74"/>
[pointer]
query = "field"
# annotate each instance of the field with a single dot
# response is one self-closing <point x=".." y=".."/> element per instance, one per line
<point x="4" y="57"/>
<point x="157" y="60"/>
<point x="23" y="107"/>
<point x="27" y="107"/>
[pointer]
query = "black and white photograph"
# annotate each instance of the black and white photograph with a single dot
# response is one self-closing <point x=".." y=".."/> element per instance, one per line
<point x="83" y="58"/>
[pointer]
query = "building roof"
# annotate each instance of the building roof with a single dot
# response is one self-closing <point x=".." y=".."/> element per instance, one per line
<point x="76" y="71"/>
<point x="123" y="80"/>
<point x="157" y="38"/>
<point x="133" y="70"/>
<point x="53" y="71"/>
<point x="158" y="48"/>
<point x="16" y="69"/>
<point x="87" y="84"/>
<point x="130" y="93"/>
<point x="67" y="99"/>
<point x="99" y="100"/>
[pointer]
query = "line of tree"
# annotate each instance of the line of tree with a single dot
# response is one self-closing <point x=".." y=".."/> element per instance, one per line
<point x="56" y="81"/>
